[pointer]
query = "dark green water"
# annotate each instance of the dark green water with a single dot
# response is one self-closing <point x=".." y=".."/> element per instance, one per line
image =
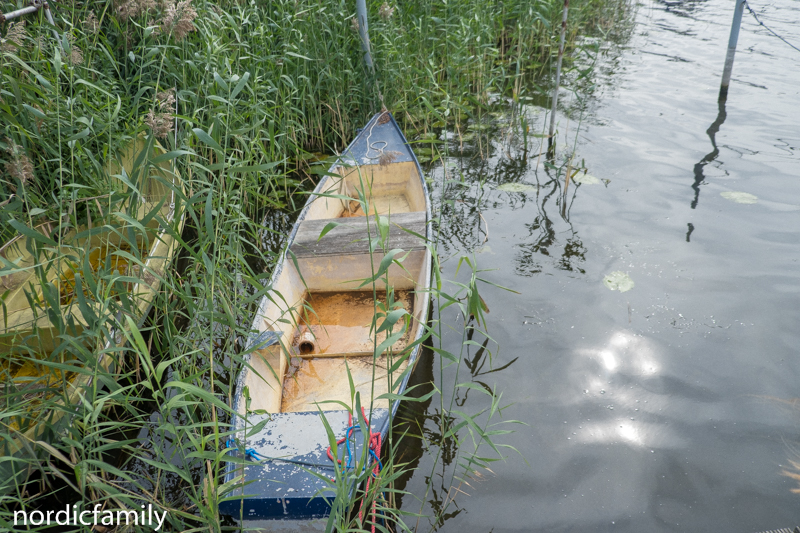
<point x="663" y="408"/>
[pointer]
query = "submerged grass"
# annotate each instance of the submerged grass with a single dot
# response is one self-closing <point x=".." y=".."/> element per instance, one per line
<point x="246" y="98"/>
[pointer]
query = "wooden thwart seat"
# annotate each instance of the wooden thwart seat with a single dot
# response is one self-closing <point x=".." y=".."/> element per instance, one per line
<point x="351" y="236"/>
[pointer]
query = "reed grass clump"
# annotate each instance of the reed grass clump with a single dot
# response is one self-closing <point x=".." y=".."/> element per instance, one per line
<point x="245" y="98"/>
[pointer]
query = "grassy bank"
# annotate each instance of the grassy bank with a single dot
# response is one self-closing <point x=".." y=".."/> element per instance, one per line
<point x="246" y="99"/>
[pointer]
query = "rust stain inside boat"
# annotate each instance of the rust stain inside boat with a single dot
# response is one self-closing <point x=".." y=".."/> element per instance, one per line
<point x="325" y="379"/>
<point x="339" y="323"/>
<point x="348" y="308"/>
<point x="337" y="328"/>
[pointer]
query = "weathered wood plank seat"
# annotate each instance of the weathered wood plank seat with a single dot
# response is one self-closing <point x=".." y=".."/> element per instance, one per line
<point x="351" y="236"/>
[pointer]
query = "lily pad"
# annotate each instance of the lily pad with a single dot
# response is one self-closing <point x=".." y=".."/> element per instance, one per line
<point x="618" y="281"/>
<point x="585" y="179"/>
<point x="740" y="197"/>
<point x="516" y="187"/>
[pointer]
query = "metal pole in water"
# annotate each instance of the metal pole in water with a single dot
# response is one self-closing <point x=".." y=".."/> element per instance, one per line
<point x="558" y="77"/>
<point x="726" y="73"/>
<point x="363" y="32"/>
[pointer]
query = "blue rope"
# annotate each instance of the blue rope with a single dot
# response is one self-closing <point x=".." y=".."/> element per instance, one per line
<point x="373" y="454"/>
<point x="249" y="453"/>
<point x="347" y="444"/>
<point x="350" y="453"/>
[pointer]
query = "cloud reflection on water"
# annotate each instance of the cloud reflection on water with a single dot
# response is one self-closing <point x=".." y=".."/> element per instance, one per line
<point x="618" y="430"/>
<point x="612" y="378"/>
<point x="625" y="353"/>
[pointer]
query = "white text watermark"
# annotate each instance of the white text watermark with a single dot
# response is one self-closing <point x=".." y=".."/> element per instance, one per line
<point x="72" y="516"/>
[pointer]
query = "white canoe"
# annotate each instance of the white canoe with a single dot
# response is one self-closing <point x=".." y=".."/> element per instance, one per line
<point x="315" y="349"/>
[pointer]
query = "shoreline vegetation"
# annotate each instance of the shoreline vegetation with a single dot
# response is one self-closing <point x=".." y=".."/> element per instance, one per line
<point x="250" y="102"/>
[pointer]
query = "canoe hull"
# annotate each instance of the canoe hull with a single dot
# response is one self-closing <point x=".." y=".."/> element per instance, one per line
<point x="29" y="330"/>
<point x="283" y="470"/>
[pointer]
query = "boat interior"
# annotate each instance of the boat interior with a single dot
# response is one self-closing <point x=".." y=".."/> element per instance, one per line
<point x="392" y="188"/>
<point x="325" y="310"/>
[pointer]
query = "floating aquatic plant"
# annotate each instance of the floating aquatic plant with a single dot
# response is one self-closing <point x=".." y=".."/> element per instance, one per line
<point x="618" y="281"/>
<point x="740" y="197"/>
<point x="583" y="178"/>
<point x="517" y="187"/>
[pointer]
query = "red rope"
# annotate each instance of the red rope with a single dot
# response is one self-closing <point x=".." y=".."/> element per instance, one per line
<point x="375" y="446"/>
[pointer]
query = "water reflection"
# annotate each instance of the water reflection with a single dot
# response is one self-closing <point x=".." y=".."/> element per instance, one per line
<point x="479" y="364"/>
<point x="464" y="187"/>
<point x="477" y="185"/>
<point x="545" y="233"/>
<point x="682" y="8"/>
<point x="626" y="353"/>
<point x="663" y="434"/>
<point x="699" y="176"/>
<point x="613" y="431"/>
<point x="422" y="428"/>
<point x="616" y="380"/>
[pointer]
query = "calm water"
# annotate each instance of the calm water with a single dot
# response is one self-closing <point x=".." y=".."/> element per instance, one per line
<point x="662" y="408"/>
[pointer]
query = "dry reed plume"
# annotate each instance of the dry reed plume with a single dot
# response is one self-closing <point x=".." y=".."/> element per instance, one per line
<point x="134" y="8"/>
<point x="75" y="56"/>
<point x="178" y="19"/>
<point x="90" y="24"/>
<point x="14" y="37"/>
<point x="160" y="122"/>
<point x="18" y="166"/>
<point x="386" y="11"/>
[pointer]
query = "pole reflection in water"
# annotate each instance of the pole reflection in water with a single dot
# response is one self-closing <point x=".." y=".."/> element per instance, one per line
<point x="699" y="176"/>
